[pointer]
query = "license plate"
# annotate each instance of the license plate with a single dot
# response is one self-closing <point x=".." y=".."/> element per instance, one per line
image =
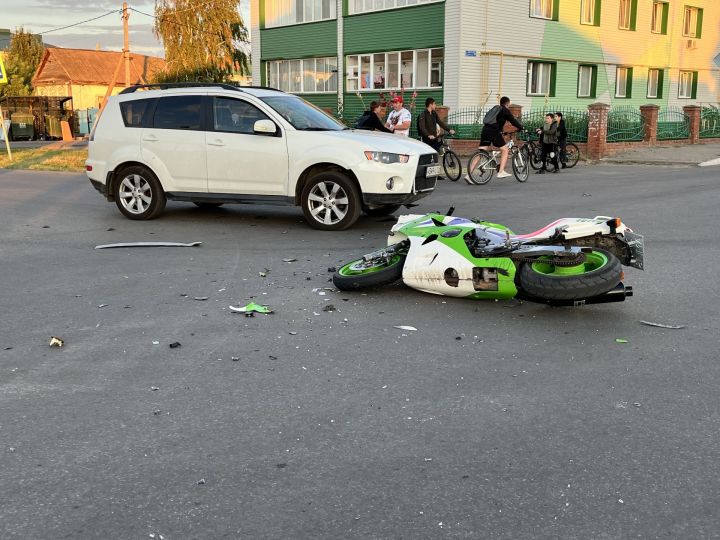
<point x="433" y="170"/>
<point x="636" y="242"/>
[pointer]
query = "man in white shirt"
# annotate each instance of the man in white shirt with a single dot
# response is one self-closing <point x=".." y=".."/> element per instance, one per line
<point x="399" y="118"/>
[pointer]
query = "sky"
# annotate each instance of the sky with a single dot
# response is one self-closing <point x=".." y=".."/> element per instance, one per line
<point x="43" y="15"/>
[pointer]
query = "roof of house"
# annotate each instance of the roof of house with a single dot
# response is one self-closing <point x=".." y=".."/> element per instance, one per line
<point x="82" y="66"/>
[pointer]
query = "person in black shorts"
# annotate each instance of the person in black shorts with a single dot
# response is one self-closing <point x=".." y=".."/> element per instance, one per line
<point x="492" y="134"/>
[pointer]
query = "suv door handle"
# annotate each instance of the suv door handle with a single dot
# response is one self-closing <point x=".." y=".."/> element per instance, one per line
<point x="150" y="138"/>
<point x="216" y="142"/>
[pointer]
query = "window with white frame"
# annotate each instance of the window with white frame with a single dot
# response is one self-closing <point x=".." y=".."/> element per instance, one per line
<point x="393" y="70"/>
<point x="659" y="18"/>
<point x="286" y="12"/>
<point x="306" y="76"/>
<point x="539" y="81"/>
<point x="625" y="14"/>
<point x="622" y="80"/>
<point x="363" y="6"/>
<point x="685" y="84"/>
<point x="586" y="80"/>
<point x="690" y="21"/>
<point x="654" y="81"/>
<point x="587" y="11"/>
<point x="542" y="9"/>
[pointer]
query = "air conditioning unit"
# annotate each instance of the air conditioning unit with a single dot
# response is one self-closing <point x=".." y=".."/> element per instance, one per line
<point x="691" y="44"/>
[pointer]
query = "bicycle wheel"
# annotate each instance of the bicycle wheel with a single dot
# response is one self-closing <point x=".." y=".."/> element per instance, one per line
<point x="572" y="155"/>
<point x="535" y="156"/>
<point x="452" y="165"/>
<point x="520" y="166"/>
<point x="481" y="167"/>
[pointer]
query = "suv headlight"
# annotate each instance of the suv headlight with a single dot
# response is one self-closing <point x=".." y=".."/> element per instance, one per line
<point x="386" y="157"/>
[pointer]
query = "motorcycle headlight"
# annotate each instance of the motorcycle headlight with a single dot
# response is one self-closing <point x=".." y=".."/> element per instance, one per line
<point x="386" y="157"/>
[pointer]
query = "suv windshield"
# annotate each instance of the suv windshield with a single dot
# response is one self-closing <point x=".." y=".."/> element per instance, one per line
<point x="303" y="115"/>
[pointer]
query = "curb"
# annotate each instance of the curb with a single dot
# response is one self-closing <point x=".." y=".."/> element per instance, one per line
<point x="657" y="162"/>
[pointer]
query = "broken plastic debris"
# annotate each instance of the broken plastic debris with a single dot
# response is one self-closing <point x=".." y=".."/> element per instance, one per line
<point x="252" y="307"/>
<point x="148" y="244"/>
<point x="201" y="482"/>
<point x="289" y="260"/>
<point x="620" y="340"/>
<point x="408" y="328"/>
<point x="201" y="298"/>
<point x="156" y="343"/>
<point x="659" y="325"/>
<point x="329" y="307"/>
<point x="264" y="273"/>
<point x="154" y="388"/>
<point x="102" y="306"/>
<point x="56" y="342"/>
<point x="175" y="345"/>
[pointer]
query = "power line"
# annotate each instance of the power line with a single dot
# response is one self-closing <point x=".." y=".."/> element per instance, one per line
<point x="80" y="22"/>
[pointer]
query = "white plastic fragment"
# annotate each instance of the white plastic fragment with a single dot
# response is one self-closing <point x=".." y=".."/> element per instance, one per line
<point x="408" y="328"/>
<point x="659" y="325"/>
<point x="56" y="342"/>
<point x="148" y="244"/>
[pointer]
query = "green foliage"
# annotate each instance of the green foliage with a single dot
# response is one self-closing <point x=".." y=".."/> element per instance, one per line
<point x="203" y="42"/>
<point x="21" y="60"/>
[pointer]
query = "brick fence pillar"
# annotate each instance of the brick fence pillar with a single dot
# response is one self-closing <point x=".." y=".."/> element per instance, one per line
<point x="442" y="111"/>
<point x="650" y="116"/>
<point x="693" y="112"/>
<point x="597" y="130"/>
<point x="516" y="111"/>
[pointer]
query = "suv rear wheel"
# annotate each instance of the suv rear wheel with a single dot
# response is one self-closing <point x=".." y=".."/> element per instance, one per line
<point x="330" y="201"/>
<point x="138" y="193"/>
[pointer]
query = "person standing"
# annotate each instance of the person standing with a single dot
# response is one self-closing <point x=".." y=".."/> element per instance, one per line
<point x="562" y="139"/>
<point x="428" y="123"/>
<point x="549" y="143"/>
<point x="370" y="119"/>
<point x="399" y="118"/>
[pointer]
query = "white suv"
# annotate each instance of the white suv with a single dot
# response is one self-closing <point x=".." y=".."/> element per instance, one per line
<point x="216" y="144"/>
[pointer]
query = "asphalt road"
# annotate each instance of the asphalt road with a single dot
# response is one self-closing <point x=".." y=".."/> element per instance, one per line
<point x="494" y="420"/>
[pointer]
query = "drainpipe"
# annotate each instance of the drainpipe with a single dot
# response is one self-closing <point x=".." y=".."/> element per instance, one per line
<point x="340" y="59"/>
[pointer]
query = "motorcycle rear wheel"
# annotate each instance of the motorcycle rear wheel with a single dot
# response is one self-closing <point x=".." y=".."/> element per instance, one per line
<point x="600" y="273"/>
<point x="357" y="275"/>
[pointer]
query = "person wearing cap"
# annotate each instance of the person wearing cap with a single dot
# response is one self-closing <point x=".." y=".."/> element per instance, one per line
<point x="399" y="118"/>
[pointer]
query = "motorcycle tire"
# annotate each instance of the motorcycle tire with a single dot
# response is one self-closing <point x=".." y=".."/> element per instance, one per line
<point x="349" y="279"/>
<point x="600" y="273"/>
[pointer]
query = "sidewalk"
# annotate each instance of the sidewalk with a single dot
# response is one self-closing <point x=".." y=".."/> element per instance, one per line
<point x="686" y="155"/>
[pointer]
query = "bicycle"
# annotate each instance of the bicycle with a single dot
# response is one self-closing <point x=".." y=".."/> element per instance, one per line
<point x="570" y="156"/>
<point x="483" y="163"/>
<point x="450" y="161"/>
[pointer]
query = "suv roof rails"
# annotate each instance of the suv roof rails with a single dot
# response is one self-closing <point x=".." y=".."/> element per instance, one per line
<point x="165" y="86"/>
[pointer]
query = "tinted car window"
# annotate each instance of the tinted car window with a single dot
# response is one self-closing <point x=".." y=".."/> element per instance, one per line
<point x="134" y="112"/>
<point x="235" y="115"/>
<point x="178" y="112"/>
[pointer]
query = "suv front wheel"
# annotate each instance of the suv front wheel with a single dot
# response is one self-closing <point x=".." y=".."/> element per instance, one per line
<point x="330" y="201"/>
<point x="138" y="193"/>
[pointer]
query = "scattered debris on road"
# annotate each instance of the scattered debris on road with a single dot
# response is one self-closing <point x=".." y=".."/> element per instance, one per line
<point x="252" y="307"/>
<point x="56" y="342"/>
<point x="620" y="340"/>
<point x="408" y="328"/>
<point x="264" y="273"/>
<point x="148" y="244"/>
<point x="175" y="345"/>
<point x="660" y="325"/>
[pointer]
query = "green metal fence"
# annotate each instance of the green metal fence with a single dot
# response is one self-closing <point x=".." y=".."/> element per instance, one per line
<point x="673" y="124"/>
<point x="710" y="121"/>
<point x="467" y="121"/>
<point x="576" y="121"/>
<point x="625" y="124"/>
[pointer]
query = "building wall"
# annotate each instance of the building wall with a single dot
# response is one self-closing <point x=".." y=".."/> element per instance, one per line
<point x="500" y="67"/>
<point x="84" y="96"/>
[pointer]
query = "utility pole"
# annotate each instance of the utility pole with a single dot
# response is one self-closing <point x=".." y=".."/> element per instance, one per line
<point x="126" y="43"/>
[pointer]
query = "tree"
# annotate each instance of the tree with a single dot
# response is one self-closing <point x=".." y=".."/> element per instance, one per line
<point x="204" y="41"/>
<point x="21" y="60"/>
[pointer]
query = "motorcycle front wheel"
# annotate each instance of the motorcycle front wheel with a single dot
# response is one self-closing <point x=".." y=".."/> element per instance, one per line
<point x="360" y="274"/>
<point x="599" y="273"/>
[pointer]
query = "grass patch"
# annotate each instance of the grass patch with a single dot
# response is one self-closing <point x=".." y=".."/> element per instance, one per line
<point x="45" y="159"/>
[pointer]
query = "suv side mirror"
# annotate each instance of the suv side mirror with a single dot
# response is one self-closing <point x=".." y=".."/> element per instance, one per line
<point x="265" y="127"/>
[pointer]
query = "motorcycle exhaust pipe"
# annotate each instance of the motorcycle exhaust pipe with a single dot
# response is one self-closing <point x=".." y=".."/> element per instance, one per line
<point x="618" y="294"/>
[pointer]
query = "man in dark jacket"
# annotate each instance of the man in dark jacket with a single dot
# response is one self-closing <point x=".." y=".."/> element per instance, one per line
<point x="492" y="134"/>
<point x="370" y="119"/>
<point x="428" y="123"/>
<point x="562" y="138"/>
<point x="549" y="134"/>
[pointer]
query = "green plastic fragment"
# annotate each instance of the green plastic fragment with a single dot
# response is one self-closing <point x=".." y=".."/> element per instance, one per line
<point x="620" y="340"/>
<point x="252" y="307"/>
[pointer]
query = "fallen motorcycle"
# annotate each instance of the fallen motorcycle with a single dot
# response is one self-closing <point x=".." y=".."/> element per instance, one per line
<point x="571" y="261"/>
